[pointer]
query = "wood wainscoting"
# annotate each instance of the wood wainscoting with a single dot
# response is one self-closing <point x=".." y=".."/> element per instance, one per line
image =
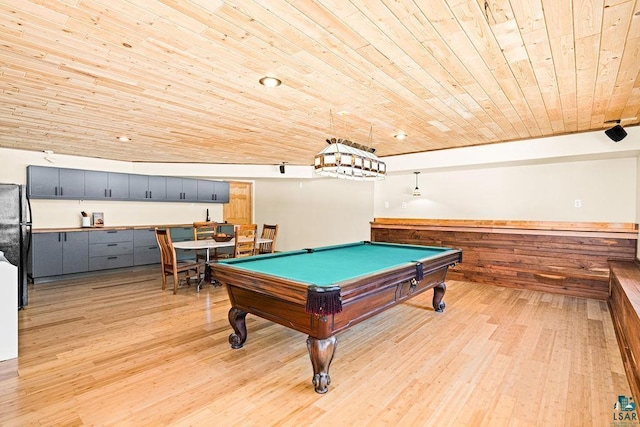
<point x="569" y="258"/>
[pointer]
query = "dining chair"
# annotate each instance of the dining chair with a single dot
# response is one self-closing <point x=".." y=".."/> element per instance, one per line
<point x="204" y="230"/>
<point x="245" y="240"/>
<point x="268" y="232"/>
<point x="169" y="261"/>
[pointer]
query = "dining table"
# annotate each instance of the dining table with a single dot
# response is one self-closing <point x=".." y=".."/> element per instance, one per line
<point x="207" y="245"/>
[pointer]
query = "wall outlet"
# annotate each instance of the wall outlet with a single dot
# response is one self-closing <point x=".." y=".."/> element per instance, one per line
<point x="404" y="205"/>
<point x="386" y="204"/>
<point x="577" y="203"/>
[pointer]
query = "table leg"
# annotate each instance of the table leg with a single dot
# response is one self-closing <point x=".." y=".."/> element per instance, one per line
<point x="206" y="277"/>
<point x="321" y="354"/>
<point x="438" y="294"/>
<point x="237" y="321"/>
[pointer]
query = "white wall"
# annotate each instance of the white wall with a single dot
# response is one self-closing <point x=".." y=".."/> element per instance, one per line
<point x="605" y="188"/>
<point x="315" y="212"/>
<point x="538" y="179"/>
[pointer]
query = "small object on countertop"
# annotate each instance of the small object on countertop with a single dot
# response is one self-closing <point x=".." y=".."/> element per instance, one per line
<point x="208" y="219"/>
<point x="84" y="214"/>
<point x="98" y="219"/>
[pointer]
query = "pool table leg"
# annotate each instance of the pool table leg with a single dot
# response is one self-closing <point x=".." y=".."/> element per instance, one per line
<point x="237" y="321"/>
<point x="438" y="294"/>
<point x="321" y="354"/>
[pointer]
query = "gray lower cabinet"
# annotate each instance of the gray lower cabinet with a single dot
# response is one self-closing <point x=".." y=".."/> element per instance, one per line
<point x="145" y="247"/>
<point x="110" y="249"/>
<point x="60" y="253"/>
<point x="54" y="254"/>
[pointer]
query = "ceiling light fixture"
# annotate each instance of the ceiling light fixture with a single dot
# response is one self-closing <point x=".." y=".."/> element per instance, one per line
<point x="348" y="160"/>
<point x="270" y="82"/>
<point x="400" y="135"/>
<point x="416" y="191"/>
<point x="124" y="138"/>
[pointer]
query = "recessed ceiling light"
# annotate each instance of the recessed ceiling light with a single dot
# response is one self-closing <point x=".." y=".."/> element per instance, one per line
<point x="400" y="135"/>
<point x="270" y="82"/>
<point x="124" y="138"/>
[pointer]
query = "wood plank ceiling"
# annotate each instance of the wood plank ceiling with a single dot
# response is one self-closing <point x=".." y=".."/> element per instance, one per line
<point x="180" y="77"/>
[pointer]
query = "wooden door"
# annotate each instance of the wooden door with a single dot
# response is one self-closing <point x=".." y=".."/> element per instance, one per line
<point x="239" y="210"/>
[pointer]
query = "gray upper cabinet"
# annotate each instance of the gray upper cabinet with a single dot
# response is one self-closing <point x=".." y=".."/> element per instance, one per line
<point x="45" y="182"/>
<point x="106" y="185"/>
<point x="52" y="183"/>
<point x="158" y="187"/>
<point x="222" y="192"/>
<point x="144" y="187"/>
<point x="213" y="191"/>
<point x="182" y="189"/>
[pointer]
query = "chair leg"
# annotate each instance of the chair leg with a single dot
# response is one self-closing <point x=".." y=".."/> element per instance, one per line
<point x="164" y="280"/>
<point x="175" y="282"/>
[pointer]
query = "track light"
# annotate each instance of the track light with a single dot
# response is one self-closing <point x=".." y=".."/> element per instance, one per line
<point x="282" y="167"/>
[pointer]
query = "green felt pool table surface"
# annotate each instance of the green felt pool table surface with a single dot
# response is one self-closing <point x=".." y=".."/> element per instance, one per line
<point x="331" y="265"/>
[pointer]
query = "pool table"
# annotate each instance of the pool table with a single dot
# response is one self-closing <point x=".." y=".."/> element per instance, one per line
<point x="323" y="291"/>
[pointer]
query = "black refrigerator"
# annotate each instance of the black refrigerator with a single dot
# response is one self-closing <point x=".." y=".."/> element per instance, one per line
<point x="15" y="232"/>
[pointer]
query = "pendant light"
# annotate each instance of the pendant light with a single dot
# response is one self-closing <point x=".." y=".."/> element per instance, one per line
<point x="416" y="191"/>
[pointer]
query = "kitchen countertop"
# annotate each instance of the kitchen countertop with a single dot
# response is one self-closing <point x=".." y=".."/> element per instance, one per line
<point x="106" y="228"/>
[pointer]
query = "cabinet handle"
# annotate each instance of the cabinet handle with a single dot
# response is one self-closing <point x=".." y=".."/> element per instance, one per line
<point x="112" y="257"/>
<point x="146" y="194"/>
<point x="56" y="190"/>
<point x="65" y="237"/>
<point x="153" y="247"/>
<point x="61" y="191"/>
<point x="150" y="194"/>
<point x="59" y="237"/>
<point x="105" y="192"/>
<point x="112" y="231"/>
<point x="112" y="244"/>
<point x="109" y="192"/>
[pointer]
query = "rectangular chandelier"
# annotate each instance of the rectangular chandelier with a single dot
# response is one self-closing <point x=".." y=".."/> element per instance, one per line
<point x="347" y="160"/>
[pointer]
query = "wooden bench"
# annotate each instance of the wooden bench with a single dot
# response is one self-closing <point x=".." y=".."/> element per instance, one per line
<point x="624" y="301"/>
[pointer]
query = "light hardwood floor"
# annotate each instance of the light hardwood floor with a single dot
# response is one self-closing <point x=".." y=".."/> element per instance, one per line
<point x="116" y="350"/>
